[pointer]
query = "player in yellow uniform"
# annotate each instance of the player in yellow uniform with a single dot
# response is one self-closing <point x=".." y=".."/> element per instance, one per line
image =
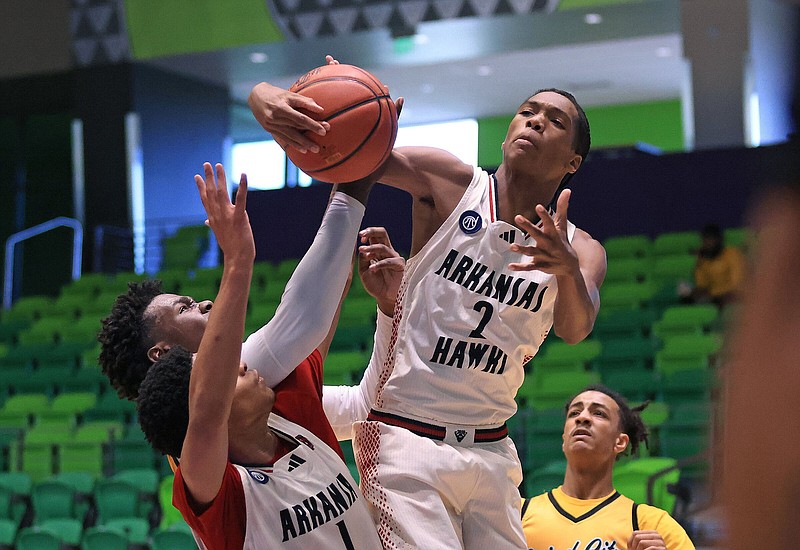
<point x="586" y="513"/>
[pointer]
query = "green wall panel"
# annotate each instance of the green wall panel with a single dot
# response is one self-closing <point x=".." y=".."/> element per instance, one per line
<point x="657" y="123"/>
<point x="167" y="27"/>
<point x="491" y="133"/>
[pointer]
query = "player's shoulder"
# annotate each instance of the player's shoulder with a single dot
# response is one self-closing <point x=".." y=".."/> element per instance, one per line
<point x="651" y="517"/>
<point x="529" y="504"/>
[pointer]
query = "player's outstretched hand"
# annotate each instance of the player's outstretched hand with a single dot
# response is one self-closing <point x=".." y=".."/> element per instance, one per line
<point x="380" y="267"/>
<point x="230" y="222"/>
<point x="552" y="252"/>
<point x="646" y="540"/>
<point x="279" y="113"/>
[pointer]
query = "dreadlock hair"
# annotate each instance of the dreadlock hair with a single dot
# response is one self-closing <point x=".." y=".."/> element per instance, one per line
<point x="630" y="422"/>
<point x="163" y="402"/>
<point x="125" y="339"/>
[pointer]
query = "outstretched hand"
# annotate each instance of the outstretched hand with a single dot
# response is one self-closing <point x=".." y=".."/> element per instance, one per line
<point x="552" y="252"/>
<point x="230" y="222"/>
<point x="380" y="267"/>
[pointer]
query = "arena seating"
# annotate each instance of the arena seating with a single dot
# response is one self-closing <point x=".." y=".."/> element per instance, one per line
<point x="75" y="467"/>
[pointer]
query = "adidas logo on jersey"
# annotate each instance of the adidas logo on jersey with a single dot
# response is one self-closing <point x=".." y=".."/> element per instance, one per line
<point x="509" y="236"/>
<point x="295" y="462"/>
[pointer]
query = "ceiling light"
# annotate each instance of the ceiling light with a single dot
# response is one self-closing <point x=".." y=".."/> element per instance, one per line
<point x="258" y="57"/>
<point x="484" y="70"/>
<point x="593" y="18"/>
<point x="421" y="39"/>
<point x="664" y="51"/>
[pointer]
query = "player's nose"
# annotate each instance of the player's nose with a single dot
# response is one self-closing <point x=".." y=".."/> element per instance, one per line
<point x="205" y="306"/>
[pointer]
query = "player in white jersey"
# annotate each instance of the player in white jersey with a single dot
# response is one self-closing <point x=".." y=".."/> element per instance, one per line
<point x="483" y="286"/>
<point x="249" y="478"/>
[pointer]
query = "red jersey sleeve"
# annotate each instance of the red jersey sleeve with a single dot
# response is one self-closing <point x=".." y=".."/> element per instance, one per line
<point x="227" y="509"/>
<point x="298" y="398"/>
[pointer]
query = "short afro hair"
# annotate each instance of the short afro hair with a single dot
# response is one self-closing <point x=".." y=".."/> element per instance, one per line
<point x="630" y="422"/>
<point x="125" y="338"/>
<point x="163" y="402"/>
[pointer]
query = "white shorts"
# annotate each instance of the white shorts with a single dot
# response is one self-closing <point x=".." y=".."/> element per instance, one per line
<point x="427" y="494"/>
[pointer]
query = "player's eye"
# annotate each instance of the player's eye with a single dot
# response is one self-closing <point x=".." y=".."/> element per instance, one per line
<point x="557" y="123"/>
<point x="182" y="309"/>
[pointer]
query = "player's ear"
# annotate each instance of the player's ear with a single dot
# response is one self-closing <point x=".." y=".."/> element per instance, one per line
<point x="157" y="351"/>
<point x="575" y="163"/>
<point x="622" y="443"/>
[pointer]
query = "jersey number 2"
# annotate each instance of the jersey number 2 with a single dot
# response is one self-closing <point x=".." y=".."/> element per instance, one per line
<point x="488" y="310"/>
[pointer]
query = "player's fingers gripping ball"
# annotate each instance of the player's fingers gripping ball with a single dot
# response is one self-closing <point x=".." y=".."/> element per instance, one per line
<point x="362" y="118"/>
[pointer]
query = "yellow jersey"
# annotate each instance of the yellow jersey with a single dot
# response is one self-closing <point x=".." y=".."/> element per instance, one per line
<point x="555" y="521"/>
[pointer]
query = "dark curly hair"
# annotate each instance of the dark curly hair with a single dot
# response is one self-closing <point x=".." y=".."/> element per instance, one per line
<point x="125" y="338"/>
<point x="630" y="422"/>
<point x="163" y="402"/>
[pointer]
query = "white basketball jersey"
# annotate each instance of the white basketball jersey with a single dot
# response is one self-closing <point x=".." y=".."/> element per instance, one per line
<point x="307" y="499"/>
<point x="465" y="324"/>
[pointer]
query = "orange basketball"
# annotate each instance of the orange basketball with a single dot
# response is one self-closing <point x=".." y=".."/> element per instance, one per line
<point x="362" y="118"/>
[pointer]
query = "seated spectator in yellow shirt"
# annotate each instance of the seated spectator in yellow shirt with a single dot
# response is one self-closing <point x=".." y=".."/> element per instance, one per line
<point x="586" y="512"/>
<point x="719" y="272"/>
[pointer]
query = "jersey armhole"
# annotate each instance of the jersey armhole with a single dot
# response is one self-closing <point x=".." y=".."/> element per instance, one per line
<point x="635" y="517"/>
<point x="525" y="504"/>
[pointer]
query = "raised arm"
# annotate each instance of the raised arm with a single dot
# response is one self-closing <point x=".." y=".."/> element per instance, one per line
<point x="304" y="317"/>
<point x="579" y="267"/>
<point x="216" y="365"/>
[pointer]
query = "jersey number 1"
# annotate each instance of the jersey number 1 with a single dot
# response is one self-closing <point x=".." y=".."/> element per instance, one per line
<point x="348" y="544"/>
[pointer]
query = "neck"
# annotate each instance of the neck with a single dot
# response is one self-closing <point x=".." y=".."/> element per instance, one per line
<point x="589" y="481"/>
<point x="519" y="193"/>
<point x="253" y="446"/>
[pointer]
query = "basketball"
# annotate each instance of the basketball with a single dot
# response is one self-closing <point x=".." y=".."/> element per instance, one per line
<point x="362" y="118"/>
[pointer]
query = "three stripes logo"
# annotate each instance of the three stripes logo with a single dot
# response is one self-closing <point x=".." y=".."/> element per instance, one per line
<point x="295" y="462"/>
<point x="509" y="236"/>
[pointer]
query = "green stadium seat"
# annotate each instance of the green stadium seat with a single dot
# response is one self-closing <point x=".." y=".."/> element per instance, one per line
<point x="8" y="533"/>
<point x="341" y="367"/>
<point x="686" y="352"/>
<point x="88" y="286"/>
<point x="68" y="530"/>
<point x="210" y="277"/>
<point x="115" y="498"/>
<point x="29" y="308"/>
<point x="52" y="498"/>
<point x="553" y="389"/>
<point x="82" y="456"/>
<point x="18" y="485"/>
<point x="70" y="306"/>
<point x="170" y="515"/>
<point x="358" y="311"/>
<point x="353" y="338"/>
<point x="634" y="323"/>
<point x="104" y="538"/>
<point x="686" y="319"/>
<point x="83" y="331"/>
<point x="545" y="478"/>
<point x="629" y="246"/>
<point x="559" y="355"/>
<point x="624" y="297"/>
<point x="199" y="291"/>
<point x="632" y="479"/>
<point x="656" y="413"/>
<point x="285" y="268"/>
<point x="73" y="403"/>
<point x="740" y="237"/>
<point x="36" y="538"/>
<point x="136" y="529"/>
<point x="173" y="539"/>
<point x="690" y="385"/>
<point x="42" y="332"/>
<point x="629" y="270"/>
<point x="625" y="354"/>
<point x="676" y="243"/>
<point x="172" y="279"/>
<point x="634" y="385"/>
<point x="673" y="269"/>
<point x="184" y="248"/>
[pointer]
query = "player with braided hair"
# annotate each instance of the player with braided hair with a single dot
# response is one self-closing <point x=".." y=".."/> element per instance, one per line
<point x="129" y="332"/>
<point x="586" y="512"/>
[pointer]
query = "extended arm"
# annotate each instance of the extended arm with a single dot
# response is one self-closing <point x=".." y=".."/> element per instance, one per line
<point x="304" y="317"/>
<point x="579" y="267"/>
<point x="216" y="365"/>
